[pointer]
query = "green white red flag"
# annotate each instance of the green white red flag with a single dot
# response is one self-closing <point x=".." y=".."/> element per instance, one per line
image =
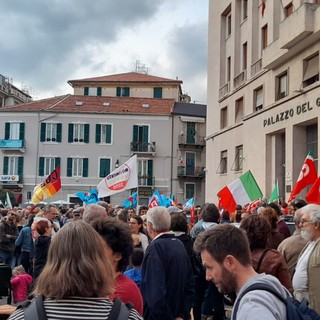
<point x="308" y="175"/>
<point x="240" y="191"/>
<point x="313" y="195"/>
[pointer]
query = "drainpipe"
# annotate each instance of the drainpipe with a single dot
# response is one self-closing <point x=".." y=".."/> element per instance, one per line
<point x="172" y="126"/>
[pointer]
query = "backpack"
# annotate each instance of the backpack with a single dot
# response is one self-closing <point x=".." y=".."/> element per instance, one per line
<point x="34" y="310"/>
<point x="296" y="310"/>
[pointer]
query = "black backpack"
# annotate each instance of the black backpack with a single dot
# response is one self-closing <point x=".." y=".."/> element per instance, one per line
<point x="34" y="310"/>
<point x="296" y="310"/>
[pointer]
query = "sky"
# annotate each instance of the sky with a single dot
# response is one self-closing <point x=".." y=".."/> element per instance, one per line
<point x="43" y="44"/>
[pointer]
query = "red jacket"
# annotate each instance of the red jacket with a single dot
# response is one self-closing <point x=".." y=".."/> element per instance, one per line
<point x="20" y="285"/>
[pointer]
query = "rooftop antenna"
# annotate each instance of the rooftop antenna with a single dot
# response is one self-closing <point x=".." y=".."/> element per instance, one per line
<point x="141" y="68"/>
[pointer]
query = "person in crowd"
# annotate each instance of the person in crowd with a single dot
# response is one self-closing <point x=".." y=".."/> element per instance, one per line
<point x="225" y="253"/>
<point x="291" y="247"/>
<point x="265" y="260"/>
<point x="117" y="237"/>
<point x="136" y="227"/>
<point x="20" y="283"/>
<point x="93" y="212"/>
<point x="282" y="227"/>
<point x="25" y="241"/>
<point x="142" y="210"/>
<point x="134" y="273"/>
<point x="41" y="246"/>
<point x="197" y="213"/>
<point x="275" y="236"/>
<point x="77" y="214"/>
<point x="306" y="277"/>
<point x="131" y="212"/>
<point x="8" y="235"/>
<point x="50" y="212"/>
<point x="225" y="217"/>
<point x="236" y="215"/>
<point x="75" y="288"/>
<point x="123" y="215"/>
<point x="17" y="250"/>
<point x="167" y="279"/>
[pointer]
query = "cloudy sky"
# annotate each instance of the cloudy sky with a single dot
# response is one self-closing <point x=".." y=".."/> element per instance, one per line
<point x="43" y="44"/>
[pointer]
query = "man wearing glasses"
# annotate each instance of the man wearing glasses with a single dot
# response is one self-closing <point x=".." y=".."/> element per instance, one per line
<point x="306" y="277"/>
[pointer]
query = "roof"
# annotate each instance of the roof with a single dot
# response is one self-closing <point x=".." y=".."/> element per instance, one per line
<point x="93" y="104"/>
<point x="190" y="109"/>
<point x="130" y="77"/>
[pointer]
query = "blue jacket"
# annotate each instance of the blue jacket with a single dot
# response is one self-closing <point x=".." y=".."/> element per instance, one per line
<point x="25" y="239"/>
<point x="167" y="280"/>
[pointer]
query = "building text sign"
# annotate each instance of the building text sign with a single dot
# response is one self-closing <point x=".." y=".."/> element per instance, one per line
<point x="9" y="178"/>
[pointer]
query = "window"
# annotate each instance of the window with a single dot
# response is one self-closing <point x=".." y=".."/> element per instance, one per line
<point x="244" y="9"/>
<point x="238" y="161"/>
<point x="104" y="167"/>
<point x="264" y="36"/>
<point x="190" y="190"/>
<point x="239" y="110"/>
<point x="123" y="92"/>
<point x="228" y="18"/>
<point x="244" y="55"/>
<point x="88" y="91"/>
<point x="145" y="172"/>
<point x="282" y="86"/>
<point x="140" y="139"/>
<point x="78" y="132"/>
<point x="191" y="133"/>
<point x="288" y="10"/>
<point x="50" y="132"/>
<point x="223" y="162"/>
<point x="190" y="163"/>
<point x="224" y="117"/>
<point x="258" y="99"/>
<point x="103" y="133"/>
<point x="77" y="167"/>
<point x="157" y="92"/>
<point x="228" y="69"/>
<point x="13" y="166"/>
<point x="311" y="70"/>
<point x="312" y="141"/>
<point x="47" y="165"/>
<point x="14" y="131"/>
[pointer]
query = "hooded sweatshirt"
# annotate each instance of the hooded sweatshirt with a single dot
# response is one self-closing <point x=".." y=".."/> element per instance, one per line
<point x="20" y="285"/>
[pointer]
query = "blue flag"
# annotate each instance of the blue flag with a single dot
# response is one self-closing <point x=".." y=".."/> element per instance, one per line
<point x="89" y="197"/>
<point x="131" y="202"/>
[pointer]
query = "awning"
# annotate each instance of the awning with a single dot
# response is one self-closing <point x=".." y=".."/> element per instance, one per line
<point x="192" y="119"/>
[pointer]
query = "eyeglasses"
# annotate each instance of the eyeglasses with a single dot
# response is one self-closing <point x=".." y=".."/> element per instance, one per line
<point x="302" y="221"/>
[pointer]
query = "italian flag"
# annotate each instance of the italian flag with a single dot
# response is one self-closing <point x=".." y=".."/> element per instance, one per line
<point x="241" y="191"/>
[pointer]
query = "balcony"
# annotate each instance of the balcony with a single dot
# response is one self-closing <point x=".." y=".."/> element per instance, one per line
<point x="191" y="141"/>
<point x="140" y="147"/>
<point x="256" y="67"/>
<point x="146" y="181"/>
<point x="240" y="79"/>
<point x="12" y="145"/>
<point x="224" y="90"/>
<point x="190" y="173"/>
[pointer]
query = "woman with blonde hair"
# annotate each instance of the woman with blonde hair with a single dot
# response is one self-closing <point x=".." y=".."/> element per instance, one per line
<point x="77" y="278"/>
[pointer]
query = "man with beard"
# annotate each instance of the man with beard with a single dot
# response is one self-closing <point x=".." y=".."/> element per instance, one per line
<point x="8" y="235"/>
<point x="306" y="278"/>
<point x="225" y="254"/>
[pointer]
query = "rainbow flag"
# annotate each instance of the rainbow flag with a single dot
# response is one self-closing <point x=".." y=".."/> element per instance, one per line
<point x="47" y="188"/>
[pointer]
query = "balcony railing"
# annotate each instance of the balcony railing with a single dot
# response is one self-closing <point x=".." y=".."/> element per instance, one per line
<point x="146" y="181"/>
<point x="256" y="67"/>
<point x="12" y="144"/>
<point x="240" y="79"/>
<point x="224" y="90"/>
<point x="190" y="172"/>
<point x="143" y="147"/>
<point x="194" y="140"/>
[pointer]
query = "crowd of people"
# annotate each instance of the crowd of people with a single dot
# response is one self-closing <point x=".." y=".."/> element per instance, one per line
<point x="159" y="262"/>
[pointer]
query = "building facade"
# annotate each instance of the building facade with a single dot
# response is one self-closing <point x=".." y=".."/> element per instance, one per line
<point x="263" y="92"/>
<point x="90" y="133"/>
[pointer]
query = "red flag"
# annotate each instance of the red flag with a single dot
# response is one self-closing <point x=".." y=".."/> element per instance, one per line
<point x="253" y="205"/>
<point x="308" y="175"/>
<point x="263" y="7"/>
<point x="313" y="196"/>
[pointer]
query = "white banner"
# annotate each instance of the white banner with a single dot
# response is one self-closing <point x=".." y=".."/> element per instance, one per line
<point x="123" y="178"/>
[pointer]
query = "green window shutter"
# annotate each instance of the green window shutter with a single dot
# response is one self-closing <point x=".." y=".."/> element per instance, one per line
<point x="86" y="133"/>
<point x="150" y="172"/>
<point x="41" y="166"/>
<point x="7" y="131"/>
<point x="70" y="132"/>
<point x="86" y="91"/>
<point x="69" y="167"/>
<point x="126" y="92"/>
<point x="104" y="169"/>
<point x="57" y="161"/>
<point x="22" y="130"/>
<point x="99" y="90"/>
<point x="108" y="133"/>
<point x="85" y="167"/>
<point x="59" y="132"/>
<point x="157" y="92"/>
<point x="43" y="131"/>
<point x="5" y="165"/>
<point x="118" y="92"/>
<point x="20" y="167"/>
<point x="145" y="134"/>
<point x="135" y="133"/>
<point x="98" y="133"/>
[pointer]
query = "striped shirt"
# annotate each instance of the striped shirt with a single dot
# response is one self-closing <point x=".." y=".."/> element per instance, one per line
<point x="77" y="308"/>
